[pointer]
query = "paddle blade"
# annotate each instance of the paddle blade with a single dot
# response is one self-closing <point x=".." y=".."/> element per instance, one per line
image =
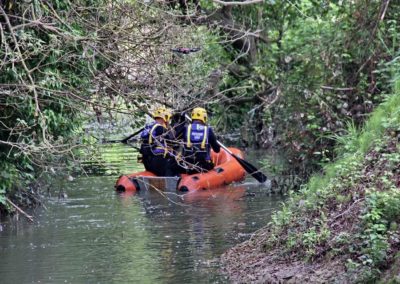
<point x="252" y="170"/>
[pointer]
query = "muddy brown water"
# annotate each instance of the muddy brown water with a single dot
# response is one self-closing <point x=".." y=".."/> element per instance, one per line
<point x="97" y="236"/>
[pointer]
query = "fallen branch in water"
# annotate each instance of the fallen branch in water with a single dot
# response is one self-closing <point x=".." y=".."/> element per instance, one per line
<point x="20" y="210"/>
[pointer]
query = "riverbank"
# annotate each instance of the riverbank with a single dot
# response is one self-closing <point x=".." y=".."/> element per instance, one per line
<point x="343" y="225"/>
<point x="22" y="198"/>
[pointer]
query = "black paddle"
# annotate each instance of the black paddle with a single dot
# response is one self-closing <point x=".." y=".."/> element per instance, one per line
<point x="252" y="170"/>
<point x="125" y="140"/>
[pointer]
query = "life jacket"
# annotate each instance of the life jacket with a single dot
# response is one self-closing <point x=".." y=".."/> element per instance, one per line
<point x="150" y="141"/>
<point x="196" y="141"/>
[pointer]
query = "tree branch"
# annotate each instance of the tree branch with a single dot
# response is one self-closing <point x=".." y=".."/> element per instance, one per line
<point x="247" y="2"/>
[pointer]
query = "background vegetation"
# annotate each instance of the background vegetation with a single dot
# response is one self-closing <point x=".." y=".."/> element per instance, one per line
<point x="68" y="63"/>
<point x="352" y="210"/>
<point x="300" y="76"/>
<point x="343" y="225"/>
<point x="44" y="82"/>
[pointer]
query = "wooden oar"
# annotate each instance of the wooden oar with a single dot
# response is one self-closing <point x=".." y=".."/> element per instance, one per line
<point x="249" y="168"/>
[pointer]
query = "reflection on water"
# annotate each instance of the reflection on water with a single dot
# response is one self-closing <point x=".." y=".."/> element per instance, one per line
<point x="111" y="159"/>
<point x="98" y="236"/>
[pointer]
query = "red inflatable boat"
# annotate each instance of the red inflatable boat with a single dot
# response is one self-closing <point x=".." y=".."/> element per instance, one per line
<point x="226" y="171"/>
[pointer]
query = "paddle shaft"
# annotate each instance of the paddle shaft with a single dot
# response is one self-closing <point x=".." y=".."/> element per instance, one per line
<point x="130" y="136"/>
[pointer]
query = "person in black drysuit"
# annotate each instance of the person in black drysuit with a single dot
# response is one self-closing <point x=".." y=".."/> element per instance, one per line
<point x="198" y="140"/>
<point x="174" y="143"/>
<point x="154" y="150"/>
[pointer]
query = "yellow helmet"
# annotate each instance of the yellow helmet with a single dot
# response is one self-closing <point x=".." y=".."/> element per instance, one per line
<point x="168" y="115"/>
<point x="200" y="114"/>
<point x="162" y="113"/>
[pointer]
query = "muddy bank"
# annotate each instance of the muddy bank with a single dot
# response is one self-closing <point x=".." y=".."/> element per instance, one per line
<point x="248" y="262"/>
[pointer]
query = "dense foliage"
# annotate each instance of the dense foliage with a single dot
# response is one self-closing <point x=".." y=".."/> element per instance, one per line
<point x="285" y="74"/>
<point x="316" y="66"/>
<point x="302" y="76"/>
<point x="66" y="63"/>
<point x="344" y="224"/>
<point x="352" y="210"/>
<point x="45" y="78"/>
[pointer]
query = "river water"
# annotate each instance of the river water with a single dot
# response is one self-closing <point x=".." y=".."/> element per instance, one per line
<point x="98" y="236"/>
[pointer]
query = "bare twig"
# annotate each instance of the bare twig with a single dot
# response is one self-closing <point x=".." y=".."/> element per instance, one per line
<point x="337" y="88"/>
<point x="347" y="210"/>
<point x="239" y="3"/>
<point x="30" y="218"/>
